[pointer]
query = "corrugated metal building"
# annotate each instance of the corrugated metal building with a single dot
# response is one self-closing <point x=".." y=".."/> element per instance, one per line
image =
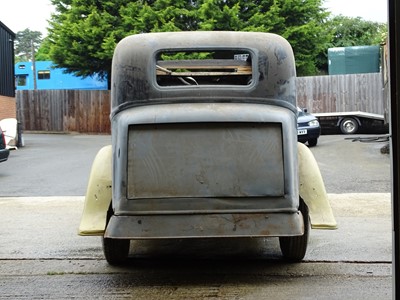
<point x="7" y="81"/>
<point x="7" y="85"/>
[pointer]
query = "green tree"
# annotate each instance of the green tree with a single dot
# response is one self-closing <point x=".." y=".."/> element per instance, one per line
<point x="348" y="31"/>
<point x="27" y="43"/>
<point x="301" y="22"/>
<point x="84" y="33"/>
<point x="43" y="52"/>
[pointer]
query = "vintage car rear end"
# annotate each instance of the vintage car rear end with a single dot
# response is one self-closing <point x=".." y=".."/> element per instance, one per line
<point x="204" y="141"/>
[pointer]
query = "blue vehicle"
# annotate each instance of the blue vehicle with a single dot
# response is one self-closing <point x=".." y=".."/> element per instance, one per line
<point x="49" y="77"/>
<point x="308" y="128"/>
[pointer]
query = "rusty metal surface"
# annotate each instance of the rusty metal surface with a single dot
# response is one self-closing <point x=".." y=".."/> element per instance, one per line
<point x="205" y="160"/>
<point x="133" y="70"/>
<point x="261" y="194"/>
<point x="205" y="226"/>
<point x="191" y="155"/>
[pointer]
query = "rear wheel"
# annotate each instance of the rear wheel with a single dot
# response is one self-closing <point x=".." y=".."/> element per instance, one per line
<point x="294" y="247"/>
<point x="115" y="250"/>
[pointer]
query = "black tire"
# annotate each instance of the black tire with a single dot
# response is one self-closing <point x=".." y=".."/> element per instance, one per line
<point x="294" y="248"/>
<point x="349" y="126"/>
<point x="116" y="251"/>
<point x="312" y="142"/>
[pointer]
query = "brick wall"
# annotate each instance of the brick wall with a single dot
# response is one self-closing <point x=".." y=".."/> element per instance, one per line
<point x="7" y="107"/>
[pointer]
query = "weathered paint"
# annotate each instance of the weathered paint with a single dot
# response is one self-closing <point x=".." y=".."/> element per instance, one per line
<point x="312" y="191"/>
<point x="159" y="169"/>
<point x="158" y="195"/>
<point x="134" y="69"/>
<point x="98" y="195"/>
<point x="205" y="226"/>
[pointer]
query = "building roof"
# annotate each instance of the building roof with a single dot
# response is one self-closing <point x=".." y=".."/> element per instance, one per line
<point x="2" y="25"/>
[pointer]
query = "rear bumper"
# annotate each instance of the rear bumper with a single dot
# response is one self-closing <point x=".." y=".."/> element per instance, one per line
<point x="4" y="153"/>
<point x="205" y="226"/>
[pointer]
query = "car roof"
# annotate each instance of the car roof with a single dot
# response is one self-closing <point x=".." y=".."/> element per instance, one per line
<point x="136" y="64"/>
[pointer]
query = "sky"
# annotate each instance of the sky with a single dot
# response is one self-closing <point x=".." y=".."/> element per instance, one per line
<point x="369" y="10"/>
<point x="34" y="14"/>
<point x="18" y="15"/>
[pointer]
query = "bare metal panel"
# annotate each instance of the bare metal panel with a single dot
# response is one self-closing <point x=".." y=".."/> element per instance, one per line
<point x="205" y="160"/>
<point x="136" y="61"/>
<point x="205" y="225"/>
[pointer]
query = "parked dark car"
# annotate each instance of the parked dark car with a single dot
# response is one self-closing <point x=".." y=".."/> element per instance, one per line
<point x="308" y="127"/>
<point x="4" y="153"/>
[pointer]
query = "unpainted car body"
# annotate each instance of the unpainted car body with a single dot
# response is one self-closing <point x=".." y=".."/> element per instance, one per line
<point x="204" y="145"/>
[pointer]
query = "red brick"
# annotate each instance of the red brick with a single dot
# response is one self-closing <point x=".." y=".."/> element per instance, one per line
<point x="7" y="107"/>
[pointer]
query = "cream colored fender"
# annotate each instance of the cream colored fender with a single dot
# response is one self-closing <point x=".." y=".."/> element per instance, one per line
<point x="312" y="190"/>
<point x="98" y="194"/>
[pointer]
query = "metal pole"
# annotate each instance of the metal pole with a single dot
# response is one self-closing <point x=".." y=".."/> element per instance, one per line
<point x="33" y="66"/>
<point x="394" y="58"/>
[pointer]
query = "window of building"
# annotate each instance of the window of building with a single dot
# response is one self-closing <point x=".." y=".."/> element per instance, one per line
<point x="20" y="80"/>
<point x="44" y="74"/>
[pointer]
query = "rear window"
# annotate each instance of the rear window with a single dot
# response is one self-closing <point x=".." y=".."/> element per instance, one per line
<point x="210" y="67"/>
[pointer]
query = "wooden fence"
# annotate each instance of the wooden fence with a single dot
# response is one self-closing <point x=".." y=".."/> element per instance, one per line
<point x="88" y="111"/>
<point x="64" y="110"/>
<point x="339" y="93"/>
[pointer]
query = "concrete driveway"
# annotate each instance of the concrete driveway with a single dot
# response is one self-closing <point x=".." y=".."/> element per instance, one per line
<point x="42" y="256"/>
